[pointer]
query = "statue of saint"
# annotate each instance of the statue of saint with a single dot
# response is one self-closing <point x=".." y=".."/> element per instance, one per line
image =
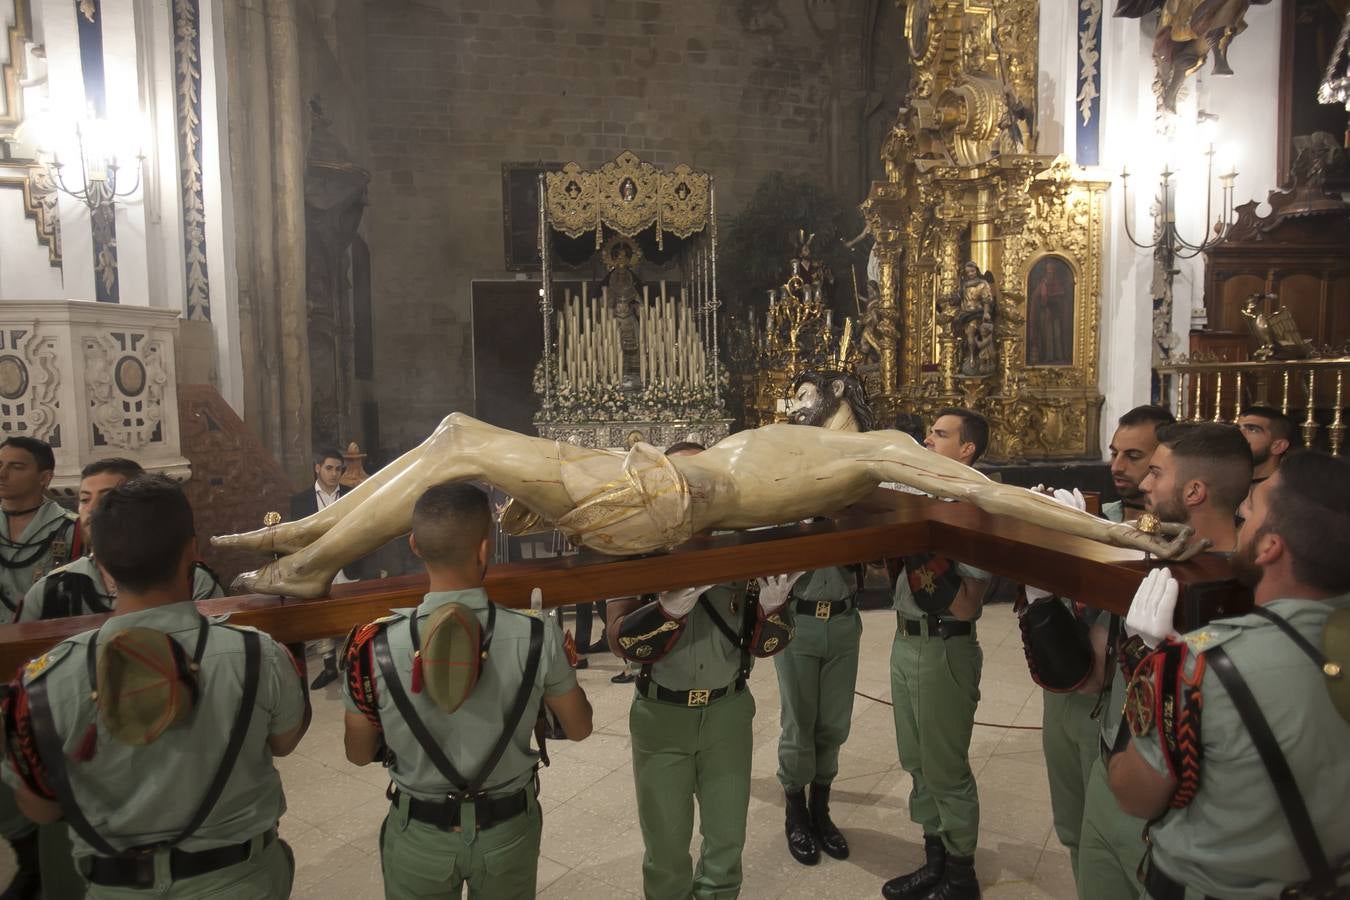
<point x="625" y="295"/>
<point x="623" y="503"/>
<point x="973" y="321"/>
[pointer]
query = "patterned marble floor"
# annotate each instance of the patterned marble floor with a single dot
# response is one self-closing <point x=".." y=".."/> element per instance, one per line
<point x="592" y="847"/>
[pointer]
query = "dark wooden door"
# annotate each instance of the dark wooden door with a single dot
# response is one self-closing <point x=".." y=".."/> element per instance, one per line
<point x="508" y="340"/>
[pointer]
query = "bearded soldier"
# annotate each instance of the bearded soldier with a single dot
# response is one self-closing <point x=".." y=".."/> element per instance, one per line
<point x="1061" y="655"/>
<point x="1237" y="758"/>
<point x="1198" y="474"/>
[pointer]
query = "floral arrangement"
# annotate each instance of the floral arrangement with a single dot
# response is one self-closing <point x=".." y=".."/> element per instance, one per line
<point x="658" y="402"/>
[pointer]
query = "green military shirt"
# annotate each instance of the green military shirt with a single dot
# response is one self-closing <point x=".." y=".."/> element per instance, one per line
<point x="468" y="734"/>
<point x="44" y="545"/>
<point x="139" y="795"/>
<point x="1233" y="841"/>
<point x="828" y="585"/>
<point x="703" y="658"/>
<point x="1115" y="510"/>
<point x="204" y="586"/>
<point x="903" y="601"/>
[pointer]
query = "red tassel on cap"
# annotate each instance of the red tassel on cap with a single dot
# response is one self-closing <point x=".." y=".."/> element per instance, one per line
<point x="417" y="673"/>
<point x="88" y="744"/>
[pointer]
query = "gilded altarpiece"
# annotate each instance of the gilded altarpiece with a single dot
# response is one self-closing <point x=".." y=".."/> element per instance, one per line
<point x="967" y="213"/>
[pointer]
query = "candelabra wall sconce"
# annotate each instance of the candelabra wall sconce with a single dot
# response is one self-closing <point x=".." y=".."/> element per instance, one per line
<point x="100" y="176"/>
<point x="1168" y="245"/>
<point x="100" y="171"/>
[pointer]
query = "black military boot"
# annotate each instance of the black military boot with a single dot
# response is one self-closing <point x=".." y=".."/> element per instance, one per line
<point x="958" y="881"/>
<point x="827" y="835"/>
<point x="923" y="879"/>
<point x="801" y="842"/>
<point x="327" y="676"/>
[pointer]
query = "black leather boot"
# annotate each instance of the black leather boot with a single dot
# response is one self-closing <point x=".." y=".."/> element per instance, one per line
<point x="801" y="842"/>
<point x="827" y="835"/>
<point x="958" y="881"/>
<point x="916" y="884"/>
<point x="327" y="676"/>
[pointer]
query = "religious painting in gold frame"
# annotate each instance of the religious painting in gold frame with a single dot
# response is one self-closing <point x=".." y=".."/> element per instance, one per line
<point x="1051" y="311"/>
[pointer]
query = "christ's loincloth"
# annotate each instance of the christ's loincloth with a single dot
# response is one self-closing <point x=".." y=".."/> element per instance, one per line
<point x="624" y="503"/>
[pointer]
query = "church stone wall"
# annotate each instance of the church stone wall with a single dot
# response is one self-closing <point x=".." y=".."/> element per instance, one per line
<point x="457" y="87"/>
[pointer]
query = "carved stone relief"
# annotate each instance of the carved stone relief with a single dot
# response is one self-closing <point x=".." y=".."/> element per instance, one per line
<point x="124" y="380"/>
<point x="29" y="379"/>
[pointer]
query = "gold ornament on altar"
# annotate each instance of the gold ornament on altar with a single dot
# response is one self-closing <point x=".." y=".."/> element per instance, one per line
<point x="629" y="196"/>
<point x="990" y="256"/>
<point x="798" y="335"/>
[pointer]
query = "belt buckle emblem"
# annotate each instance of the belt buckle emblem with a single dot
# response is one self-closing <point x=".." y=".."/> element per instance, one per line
<point x="823" y="609"/>
<point x="698" y="698"/>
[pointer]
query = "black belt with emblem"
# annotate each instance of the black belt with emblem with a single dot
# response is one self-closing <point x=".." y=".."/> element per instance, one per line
<point x="653" y="691"/>
<point x="139" y="871"/>
<point x="938" y="626"/>
<point x="822" y="609"/>
<point x="445" y="814"/>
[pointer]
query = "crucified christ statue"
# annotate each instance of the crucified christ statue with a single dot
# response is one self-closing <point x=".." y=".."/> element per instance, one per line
<point x="636" y="502"/>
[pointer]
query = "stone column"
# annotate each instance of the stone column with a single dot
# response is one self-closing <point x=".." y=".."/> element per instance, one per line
<point x="268" y="170"/>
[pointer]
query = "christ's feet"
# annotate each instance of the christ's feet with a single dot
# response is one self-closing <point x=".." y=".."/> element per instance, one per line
<point x="284" y="577"/>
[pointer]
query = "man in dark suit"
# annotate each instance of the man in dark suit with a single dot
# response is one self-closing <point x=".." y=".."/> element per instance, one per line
<point x="328" y="468"/>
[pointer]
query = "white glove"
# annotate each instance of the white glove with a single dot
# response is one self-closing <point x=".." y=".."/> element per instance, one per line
<point x="678" y="604"/>
<point x="1072" y="499"/>
<point x="774" y="590"/>
<point x="1152" y="609"/>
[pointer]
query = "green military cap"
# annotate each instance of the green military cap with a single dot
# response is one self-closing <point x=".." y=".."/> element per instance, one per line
<point x="450" y="656"/>
<point x="1336" y="647"/>
<point x="145" y="684"/>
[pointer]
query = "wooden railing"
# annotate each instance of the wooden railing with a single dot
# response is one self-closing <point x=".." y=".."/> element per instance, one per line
<point x="1217" y="391"/>
<point x="890" y="524"/>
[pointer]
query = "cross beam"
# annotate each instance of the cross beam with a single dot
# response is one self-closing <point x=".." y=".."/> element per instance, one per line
<point x="889" y="524"/>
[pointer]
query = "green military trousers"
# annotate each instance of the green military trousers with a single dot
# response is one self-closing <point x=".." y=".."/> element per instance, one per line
<point x="1069" y="739"/>
<point x="266" y="875"/>
<point x="681" y="754"/>
<point x="816" y="676"/>
<point x="421" y="861"/>
<point x="1112" y="844"/>
<point x="935" y="687"/>
<point x="59" y="876"/>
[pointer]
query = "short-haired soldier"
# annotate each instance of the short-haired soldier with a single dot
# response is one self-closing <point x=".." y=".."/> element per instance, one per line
<point x="448" y="693"/>
<point x="83" y="586"/>
<point x="153" y="736"/>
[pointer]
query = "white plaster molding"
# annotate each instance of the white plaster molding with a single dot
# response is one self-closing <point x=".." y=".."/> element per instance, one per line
<point x="94" y="379"/>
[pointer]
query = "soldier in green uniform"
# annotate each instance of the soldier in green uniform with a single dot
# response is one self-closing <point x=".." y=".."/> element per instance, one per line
<point x="153" y="736"/>
<point x="690" y="723"/>
<point x="816" y="677"/>
<point x="935" y="686"/>
<point x="1239" y="728"/>
<point x="1198" y="474"/>
<point x="1069" y="727"/>
<point x="36" y="533"/>
<point x="82" y="587"/>
<point x="448" y="694"/>
<point x="819" y="669"/>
